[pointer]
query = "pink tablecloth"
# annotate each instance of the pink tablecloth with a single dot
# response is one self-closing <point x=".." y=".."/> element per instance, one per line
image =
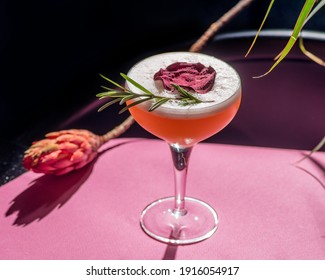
<point x="268" y="207"/>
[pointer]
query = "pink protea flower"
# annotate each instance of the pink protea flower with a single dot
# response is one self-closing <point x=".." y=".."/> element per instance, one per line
<point x="62" y="151"/>
<point x="66" y="150"/>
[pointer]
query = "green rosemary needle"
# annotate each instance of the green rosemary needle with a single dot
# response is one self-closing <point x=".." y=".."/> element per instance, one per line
<point x="121" y="95"/>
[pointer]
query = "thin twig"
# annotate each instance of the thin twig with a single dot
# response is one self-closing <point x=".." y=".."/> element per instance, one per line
<point x="118" y="130"/>
<point x="214" y="27"/>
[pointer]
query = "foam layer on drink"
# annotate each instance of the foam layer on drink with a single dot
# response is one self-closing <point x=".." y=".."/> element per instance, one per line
<point x="225" y="91"/>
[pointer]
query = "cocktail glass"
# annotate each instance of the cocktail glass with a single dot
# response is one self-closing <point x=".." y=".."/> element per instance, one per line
<point x="180" y="219"/>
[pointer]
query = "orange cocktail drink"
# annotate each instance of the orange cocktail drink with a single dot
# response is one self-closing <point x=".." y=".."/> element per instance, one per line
<point x="185" y="131"/>
<point x="190" y="124"/>
<point x="182" y="98"/>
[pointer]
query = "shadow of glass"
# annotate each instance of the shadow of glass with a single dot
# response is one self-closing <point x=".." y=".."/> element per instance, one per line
<point x="171" y="249"/>
<point x="49" y="192"/>
<point x="170" y="252"/>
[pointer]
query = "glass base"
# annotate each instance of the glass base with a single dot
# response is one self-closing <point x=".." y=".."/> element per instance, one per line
<point x="160" y="221"/>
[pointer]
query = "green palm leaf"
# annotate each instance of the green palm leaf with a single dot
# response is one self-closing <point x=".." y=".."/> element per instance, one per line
<point x="310" y="55"/>
<point x="261" y="26"/>
<point x="295" y="33"/>
<point x="315" y="10"/>
<point x="304" y="16"/>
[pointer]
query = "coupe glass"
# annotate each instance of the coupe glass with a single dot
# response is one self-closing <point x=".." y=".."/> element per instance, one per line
<point x="180" y="219"/>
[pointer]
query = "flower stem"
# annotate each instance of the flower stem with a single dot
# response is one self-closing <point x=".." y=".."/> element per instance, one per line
<point x="117" y="131"/>
<point x="214" y="27"/>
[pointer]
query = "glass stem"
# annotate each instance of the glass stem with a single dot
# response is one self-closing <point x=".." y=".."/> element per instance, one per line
<point x="181" y="156"/>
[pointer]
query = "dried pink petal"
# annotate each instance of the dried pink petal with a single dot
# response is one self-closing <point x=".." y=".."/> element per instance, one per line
<point x="190" y="76"/>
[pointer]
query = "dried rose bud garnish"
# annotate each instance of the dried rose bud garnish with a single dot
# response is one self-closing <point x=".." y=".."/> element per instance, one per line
<point x="190" y="76"/>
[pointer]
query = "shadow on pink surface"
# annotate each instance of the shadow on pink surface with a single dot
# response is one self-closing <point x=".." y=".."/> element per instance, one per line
<point x="170" y="252"/>
<point x="49" y="192"/>
<point x="320" y="176"/>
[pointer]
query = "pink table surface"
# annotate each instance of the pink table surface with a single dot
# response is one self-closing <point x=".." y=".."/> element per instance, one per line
<point x="268" y="207"/>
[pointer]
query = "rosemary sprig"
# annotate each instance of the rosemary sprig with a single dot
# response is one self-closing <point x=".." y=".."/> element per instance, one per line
<point x="122" y="94"/>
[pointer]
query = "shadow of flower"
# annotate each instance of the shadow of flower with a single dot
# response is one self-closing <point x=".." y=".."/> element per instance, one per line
<point x="49" y="192"/>
<point x="45" y="194"/>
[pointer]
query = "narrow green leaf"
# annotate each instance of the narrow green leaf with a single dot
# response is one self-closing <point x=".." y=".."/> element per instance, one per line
<point x="102" y="94"/>
<point x="133" y="82"/>
<point x="310" y="55"/>
<point x="122" y="94"/>
<point x="103" y="97"/>
<point x="158" y="103"/>
<point x="134" y="103"/>
<point x="293" y="38"/>
<point x="106" y="88"/>
<point x="126" y="98"/>
<point x="315" y="10"/>
<point x="261" y="26"/>
<point x="185" y="93"/>
<point x="108" y="104"/>
<point x="114" y="83"/>
<point x="112" y="96"/>
<point x="186" y="102"/>
<point x="110" y="93"/>
<point x="181" y="90"/>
